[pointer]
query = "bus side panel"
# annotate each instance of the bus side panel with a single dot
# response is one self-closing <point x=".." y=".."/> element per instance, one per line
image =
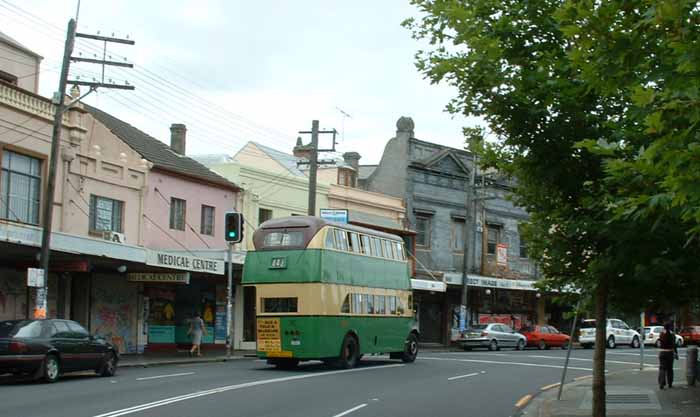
<point x="299" y="266"/>
<point x="366" y="271"/>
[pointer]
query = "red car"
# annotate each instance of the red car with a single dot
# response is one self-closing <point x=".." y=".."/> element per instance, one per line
<point x="544" y="337"/>
<point x="691" y="334"/>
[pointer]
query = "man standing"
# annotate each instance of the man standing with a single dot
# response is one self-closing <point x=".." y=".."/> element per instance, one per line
<point x="197" y="328"/>
<point x="667" y="352"/>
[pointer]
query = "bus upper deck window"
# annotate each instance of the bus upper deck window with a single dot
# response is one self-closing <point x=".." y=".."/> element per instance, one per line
<point x="341" y="239"/>
<point x="330" y="239"/>
<point x="366" y="246"/>
<point x="273" y="239"/>
<point x="354" y="242"/>
<point x="377" y="247"/>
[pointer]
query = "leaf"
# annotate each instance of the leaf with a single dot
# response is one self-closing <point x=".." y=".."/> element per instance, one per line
<point x="642" y="96"/>
<point x="654" y="123"/>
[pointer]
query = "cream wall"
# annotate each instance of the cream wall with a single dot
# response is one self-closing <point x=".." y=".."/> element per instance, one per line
<point x="22" y="65"/>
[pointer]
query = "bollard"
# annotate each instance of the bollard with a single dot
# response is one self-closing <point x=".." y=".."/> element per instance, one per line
<point x="691" y="372"/>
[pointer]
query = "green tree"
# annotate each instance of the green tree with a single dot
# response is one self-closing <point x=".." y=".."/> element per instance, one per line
<point x="559" y="128"/>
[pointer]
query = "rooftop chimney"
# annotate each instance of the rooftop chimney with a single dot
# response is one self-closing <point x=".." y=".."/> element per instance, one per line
<point x="301" y="150"/>
<point x="178" y="138"/>
<point x="404" y="127"/>
<point x="352" y="159"/>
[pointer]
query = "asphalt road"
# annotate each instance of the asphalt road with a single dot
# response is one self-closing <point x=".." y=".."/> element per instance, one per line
<point x="477" y="383"/>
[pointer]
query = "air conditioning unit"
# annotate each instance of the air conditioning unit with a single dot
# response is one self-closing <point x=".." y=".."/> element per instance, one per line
<point x="114" y="236"/>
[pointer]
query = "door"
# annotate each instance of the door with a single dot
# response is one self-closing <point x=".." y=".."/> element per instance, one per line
<point x="510" y="339"/>
<point x="66" y="345"/>
<point x="89" y="352"/>
<point x="555" y="337"/>
<point x="430" y="316"/>
<point x="543" y="332"/>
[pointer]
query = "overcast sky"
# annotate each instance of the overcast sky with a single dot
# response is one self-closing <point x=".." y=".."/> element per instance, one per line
<point x="261" y="70"/>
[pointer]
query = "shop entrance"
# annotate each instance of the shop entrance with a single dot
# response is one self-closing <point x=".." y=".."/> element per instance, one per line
<point x="249" y="314"/>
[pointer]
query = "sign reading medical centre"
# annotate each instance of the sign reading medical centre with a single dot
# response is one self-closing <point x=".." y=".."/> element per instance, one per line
<point x="185" y="263"/>
<point x="177" y="278"/>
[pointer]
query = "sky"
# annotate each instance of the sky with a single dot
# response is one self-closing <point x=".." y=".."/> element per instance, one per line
<point x="236" y="71"/>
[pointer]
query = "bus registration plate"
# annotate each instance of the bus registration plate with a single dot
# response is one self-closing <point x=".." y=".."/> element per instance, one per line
<point x="269" y="335"/>
<point x="278" y="263"/>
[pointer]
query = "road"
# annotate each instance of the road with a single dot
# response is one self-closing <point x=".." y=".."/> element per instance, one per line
<point x="477" y="383"/>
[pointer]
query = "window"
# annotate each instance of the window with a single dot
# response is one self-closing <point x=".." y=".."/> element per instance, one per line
<point x="366" y="246"/>
<point x="62" y="329"/>
<point x="494" y="236"/>
<point x="354" y="242"/>
<point x="523" y="247"/>
<point x="105" y="214"/>
<point x="458" y="230"/>
<point x="178" y="208"/>
<point x="8" y="78"/>
<point x="207" y="220"/>
<point x="330" y="239"/>
<point x="552" y="330"/>
<point x="388" y="252"/>
<point x="377" y="247"/>
<point x="279" y="305"/>
<point x="370" y="304"/>
<point x="264" y="215"/>
<point x="422" y="231"/>
<point x="341" y="239"/>
<point x="392" y="304"/>
<point x="284" y="239"/>
<point x="399" y="252"/>
<point x="21" y="187"/>
<point x="380" y="304"/>
<point x="345" y="308"/>
<point x="544" y="329"/>
<point x="357" y="307"/>
<point x="77" y="330"/>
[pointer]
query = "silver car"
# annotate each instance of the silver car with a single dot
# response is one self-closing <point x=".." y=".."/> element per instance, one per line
<point x="492" y="336"/>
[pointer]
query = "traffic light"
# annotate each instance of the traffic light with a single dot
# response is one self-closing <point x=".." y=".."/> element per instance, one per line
<point x="234" y="227"/>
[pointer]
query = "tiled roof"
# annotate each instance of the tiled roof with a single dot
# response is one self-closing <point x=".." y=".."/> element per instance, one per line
<point x="209" y="160"/>
<point x="7" y="39"/>
<point x="366" y="171"/>
<point x="158" y="152"/>
<point x="286" y="160"/>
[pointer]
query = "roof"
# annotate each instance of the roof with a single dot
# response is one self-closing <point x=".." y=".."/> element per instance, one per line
<point x="286" y="160"/>
<point x="365" y="171"/>
<point x="209" y="160"/>
<point x="158" y="152"/>
<point x="8" y="40"/>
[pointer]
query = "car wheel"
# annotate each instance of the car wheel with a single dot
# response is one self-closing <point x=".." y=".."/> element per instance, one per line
<point x="635" y="342"/>
<point x="565" y="345"/>
<point x="520" y="345"/>
<point x="587" y="345"/>
<point x="109" y="367"/>
<point x="541" y="345"/>
<point x="410" y="350"/>
<point x="52" y="368"/>
<point x="611" y="342"/>
<point x="349" y="352"/>
<point x="493" y="345"/>
<point x="658" y="343"/>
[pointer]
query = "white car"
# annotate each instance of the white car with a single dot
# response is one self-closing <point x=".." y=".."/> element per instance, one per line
<point x="652" y="333"/>
<point x="618" y="333"/>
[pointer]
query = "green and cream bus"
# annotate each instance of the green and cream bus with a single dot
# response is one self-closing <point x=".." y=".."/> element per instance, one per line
<point x="329" y="291"/>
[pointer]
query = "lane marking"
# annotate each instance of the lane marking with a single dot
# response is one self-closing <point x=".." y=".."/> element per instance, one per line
<point x="589" y="360"/>
<point x="523" y="401"/>
<point x="164" y="376"/>
<point x="578" y="378"/>
<point x="346" y="412"/>
<point x="166" y="401"/>
<point x="550" y="386"/>
<point x="462" y="376"/>
<point x="534" y="365"/>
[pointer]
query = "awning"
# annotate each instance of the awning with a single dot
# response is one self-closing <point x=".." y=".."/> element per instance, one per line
<point x="455" y="278"/>
<point x="428" y="285"/>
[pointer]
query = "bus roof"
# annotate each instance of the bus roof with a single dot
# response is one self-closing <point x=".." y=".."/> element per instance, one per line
<point x="311" y="225"/>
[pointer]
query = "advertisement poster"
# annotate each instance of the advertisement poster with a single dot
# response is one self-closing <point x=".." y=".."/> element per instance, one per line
<point x="161" y="315"/>
<point x="220" y="324"/>
<point x="515" y="321"/>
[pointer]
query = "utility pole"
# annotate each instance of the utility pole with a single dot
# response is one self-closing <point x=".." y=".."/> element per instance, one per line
<point x="469" y="241"/>
<point x="313" y="161"/>
<point x="40" y="309"/>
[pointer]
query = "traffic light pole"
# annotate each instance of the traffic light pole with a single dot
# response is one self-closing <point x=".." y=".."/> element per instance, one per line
<point x="229" y="301"/>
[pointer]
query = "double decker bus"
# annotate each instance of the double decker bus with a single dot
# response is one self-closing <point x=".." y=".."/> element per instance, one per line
<point x="329" y="291"/>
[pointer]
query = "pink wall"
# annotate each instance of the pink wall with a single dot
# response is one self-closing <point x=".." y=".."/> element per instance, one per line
<point x="161" y="187"/>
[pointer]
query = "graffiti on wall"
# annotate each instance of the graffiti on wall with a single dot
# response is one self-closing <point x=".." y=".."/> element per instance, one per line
<point x="112" y="313"/>
<point x="12" y="297"/>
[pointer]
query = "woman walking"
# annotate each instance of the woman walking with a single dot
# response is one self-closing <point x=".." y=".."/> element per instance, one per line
<point x="196" y="330"/>
<point x="667" y="352"/>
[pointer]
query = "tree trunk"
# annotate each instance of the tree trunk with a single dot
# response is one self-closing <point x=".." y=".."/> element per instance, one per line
<point x="601" y="313"/>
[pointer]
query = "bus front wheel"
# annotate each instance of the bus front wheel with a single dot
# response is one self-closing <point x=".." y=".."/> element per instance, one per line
<point x="349" y="353"/>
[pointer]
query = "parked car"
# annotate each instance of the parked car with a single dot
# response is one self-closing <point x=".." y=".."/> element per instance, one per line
<point x="48" y="348"/>
<point x="652" y="333"/>
<point x="544" y="337"/>
<point x="493" y="336"/>
<point x="618" y="333"/>
<point x="691" y="334"/>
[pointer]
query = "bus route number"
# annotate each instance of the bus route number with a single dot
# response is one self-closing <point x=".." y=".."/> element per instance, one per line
<point x="269" y="335"/>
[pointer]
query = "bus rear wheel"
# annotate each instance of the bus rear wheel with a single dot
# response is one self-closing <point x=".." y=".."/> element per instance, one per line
<point x="349" y="353"/>
<point x="410" y="350"/>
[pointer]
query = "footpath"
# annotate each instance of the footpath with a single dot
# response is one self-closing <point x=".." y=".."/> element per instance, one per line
<point x="629" y="393"/>
<point x="180" y="357"/>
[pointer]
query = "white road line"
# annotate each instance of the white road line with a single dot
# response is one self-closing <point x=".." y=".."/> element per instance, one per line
<point x="164" y="376"/>
<point x="589" y="360"/>
<point x="534" y="365"/>
<point x="346" y="412"/>
<point x="462" y="376"/>
<point x="166" y="401"/>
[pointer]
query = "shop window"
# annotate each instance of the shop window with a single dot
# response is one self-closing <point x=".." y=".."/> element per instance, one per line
<point x="494" y="238"/>
<point x="279" y="305"/>
<point x="178" y="210"/>
<point x="458" y="230"/>
<point x="207" y="227"/>
<point x="264" y="215"/>
<point x="105" y="214"/>
<point x="366" y="246"/>
<point x="354" y="242"/>
<point x="423" y="231"/>
<point x="21" y="187"/>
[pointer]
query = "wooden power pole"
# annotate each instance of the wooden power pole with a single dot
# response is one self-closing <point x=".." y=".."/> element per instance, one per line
<point x="313" y="162"/>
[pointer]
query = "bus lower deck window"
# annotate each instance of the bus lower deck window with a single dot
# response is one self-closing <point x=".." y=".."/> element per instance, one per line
<point x="280" y="305"/>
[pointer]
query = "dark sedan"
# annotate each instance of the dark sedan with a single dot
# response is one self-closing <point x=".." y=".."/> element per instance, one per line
<point x="48" y="348"/>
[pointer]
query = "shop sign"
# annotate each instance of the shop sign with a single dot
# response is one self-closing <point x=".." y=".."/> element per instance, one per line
<point x="333" y="215"/>
<point x="175" y="278"/>
<point x="186" y="263"/>
<point x="489" y="282"/>
<point x="35" y="277"/>
<point x="502" y="254"/>
<point x="428" y="285"/>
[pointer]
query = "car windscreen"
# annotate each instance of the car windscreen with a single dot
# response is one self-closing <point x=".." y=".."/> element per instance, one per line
<point x="20" y="328"/>
<point x="588" y="324"/>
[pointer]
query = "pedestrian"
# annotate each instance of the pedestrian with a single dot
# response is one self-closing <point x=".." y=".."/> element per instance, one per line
<point x="667" y="352"/>
<point x="196" y="330"/>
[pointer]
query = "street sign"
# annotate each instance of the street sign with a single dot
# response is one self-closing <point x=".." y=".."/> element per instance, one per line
<point x="178" y="278"/>
<point x="335" y="215"/>
<point x="35" y="277"/>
